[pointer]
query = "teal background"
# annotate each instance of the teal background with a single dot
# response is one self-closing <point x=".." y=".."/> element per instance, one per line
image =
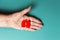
<point x="47" y="10"/>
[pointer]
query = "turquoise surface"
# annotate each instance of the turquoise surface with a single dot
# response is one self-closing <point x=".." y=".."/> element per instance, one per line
<point x="47" y="10"/>
<point x="13" y="5"/>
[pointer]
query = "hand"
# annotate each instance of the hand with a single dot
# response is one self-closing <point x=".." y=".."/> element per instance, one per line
<point x="14" y="20"/>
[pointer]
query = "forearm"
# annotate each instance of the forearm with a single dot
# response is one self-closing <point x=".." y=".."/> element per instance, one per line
<point x="3" y="22"/>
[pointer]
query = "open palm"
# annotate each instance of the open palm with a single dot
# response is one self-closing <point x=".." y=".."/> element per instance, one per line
<point x="14" y="20"/>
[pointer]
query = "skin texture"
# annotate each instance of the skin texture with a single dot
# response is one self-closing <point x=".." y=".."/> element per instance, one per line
<point x="14" y="20"/>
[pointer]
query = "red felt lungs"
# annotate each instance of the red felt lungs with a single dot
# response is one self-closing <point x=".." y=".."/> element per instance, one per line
<point x="26" y="23"/>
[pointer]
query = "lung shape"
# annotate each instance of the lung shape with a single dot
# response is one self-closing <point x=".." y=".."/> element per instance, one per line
<point x="25" y="23"/>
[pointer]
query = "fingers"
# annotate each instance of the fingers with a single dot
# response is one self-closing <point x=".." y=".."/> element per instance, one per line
<point x="32" y="19"/>
<point x="36" y="24"/>
<point x="35" y="20"/>
<point x="34" y="27"/>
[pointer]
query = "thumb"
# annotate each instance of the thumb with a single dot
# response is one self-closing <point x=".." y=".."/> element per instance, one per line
<point x="25" y="11"/>
<point x="21" y="13"/>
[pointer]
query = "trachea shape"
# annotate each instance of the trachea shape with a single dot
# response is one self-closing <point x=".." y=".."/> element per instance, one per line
<point x="25" y="23"/>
